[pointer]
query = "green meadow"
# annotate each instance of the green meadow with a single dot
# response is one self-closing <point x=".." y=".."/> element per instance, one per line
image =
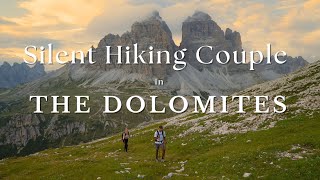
<point x="258" y="154"/>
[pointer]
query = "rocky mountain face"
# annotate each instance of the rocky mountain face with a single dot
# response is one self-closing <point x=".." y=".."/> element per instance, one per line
<point x="26" y="133"/>
<point x="11" y="76"/>
<point x="292" y="64"/>
<point x="153" y="31"/>
<point x="197" y="30"/>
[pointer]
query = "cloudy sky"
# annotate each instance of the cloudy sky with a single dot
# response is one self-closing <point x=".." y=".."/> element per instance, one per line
<point x="289" y="25"/>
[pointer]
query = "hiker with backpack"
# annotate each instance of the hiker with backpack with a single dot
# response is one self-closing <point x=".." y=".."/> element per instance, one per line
<point x="160" y="142"/>
<point x="125" y="139"/>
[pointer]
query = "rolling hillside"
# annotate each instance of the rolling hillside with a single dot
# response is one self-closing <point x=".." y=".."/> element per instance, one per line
<point x="209" y="146"/>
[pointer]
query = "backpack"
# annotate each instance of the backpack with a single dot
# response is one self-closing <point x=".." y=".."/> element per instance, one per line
<point x="163" y="134"/>
<point x="124" y="134"/>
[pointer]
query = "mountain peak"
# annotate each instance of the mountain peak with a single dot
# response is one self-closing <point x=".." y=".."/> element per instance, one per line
<point x="38" y="67"/>
<point x="5" y="64"/>
<point x="11" y="76"/>
<point x="235" y="38"/>
<point x="154" y="15"/>
<point x="200" y="26"/>
<point x="151" y="26"/>
<point x="198" y="16"/>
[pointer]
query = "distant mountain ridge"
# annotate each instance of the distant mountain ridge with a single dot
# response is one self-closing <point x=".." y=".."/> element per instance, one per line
<point x="11" y="76"/>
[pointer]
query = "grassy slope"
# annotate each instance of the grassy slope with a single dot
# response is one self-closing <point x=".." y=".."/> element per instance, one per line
<point x="10" y="105"/>
<point x="230" y="158"/>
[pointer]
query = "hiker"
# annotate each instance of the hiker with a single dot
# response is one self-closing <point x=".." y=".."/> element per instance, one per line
<point x="160" y="142"/>
<point x="125" y="139"/>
